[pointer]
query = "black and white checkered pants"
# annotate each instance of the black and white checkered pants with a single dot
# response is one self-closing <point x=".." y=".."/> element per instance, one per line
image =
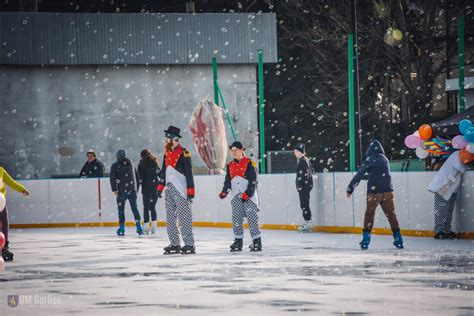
<point x="444" y="213"/>
<point x="240" y="210"/>
<point x="177" y="207"/>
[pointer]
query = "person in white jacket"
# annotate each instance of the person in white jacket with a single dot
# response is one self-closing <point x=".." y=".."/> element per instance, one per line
<point x="445" y="187"/>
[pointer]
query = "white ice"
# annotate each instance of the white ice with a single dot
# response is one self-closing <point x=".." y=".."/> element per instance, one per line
<point x="90" y="271"/>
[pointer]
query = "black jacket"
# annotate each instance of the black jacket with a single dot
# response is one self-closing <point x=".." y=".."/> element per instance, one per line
<point x="93" y="169"/>
<point x="148" y="172"/>
<point x="304" y="174"/>
<point x="124" y="176"/>
<point x="376" y="169"/>
<point x="250" y="175"/>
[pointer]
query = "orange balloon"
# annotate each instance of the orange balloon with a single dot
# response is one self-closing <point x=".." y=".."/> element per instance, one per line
<point x="465" y="156"/>
<point x="425" y="132"/>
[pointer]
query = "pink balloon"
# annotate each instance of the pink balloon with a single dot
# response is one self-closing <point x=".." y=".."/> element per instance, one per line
<point x="2" y="240"/>
<point x="459" y="142"/>
<point x="412" y="141"/>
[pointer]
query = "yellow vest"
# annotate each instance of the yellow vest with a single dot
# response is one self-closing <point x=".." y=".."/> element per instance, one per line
<point x="5" y="179"/>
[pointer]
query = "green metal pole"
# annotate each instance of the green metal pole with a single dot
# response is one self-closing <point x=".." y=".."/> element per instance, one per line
<point x="462" y="100"/>
<point x="350" y="60"/>
<point x="214" y="76"/>
<point x="261" y="101"/>
<point x="226" y="112"/>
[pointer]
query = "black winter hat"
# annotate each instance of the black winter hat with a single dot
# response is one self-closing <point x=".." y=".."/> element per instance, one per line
<point x="172" y="132"/>
<point x="237" y="144"/>
<point x="121" y="154"/>
<point x="300" y="148"/>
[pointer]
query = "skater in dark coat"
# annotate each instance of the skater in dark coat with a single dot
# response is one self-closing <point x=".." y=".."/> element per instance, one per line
<point x="177" y="180"/>
<point x="93" y="168"/>
<point x="304" y="185"/>
<point x="241" y="182"/>
<point x="125" y="184"/>
<point x="149" y="171"/>
<point x="376" y="169"/>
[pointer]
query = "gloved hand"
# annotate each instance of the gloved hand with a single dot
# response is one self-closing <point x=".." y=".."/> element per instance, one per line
<point x="222" y="195"/>
<point x="245" y="197"/>
<point x="160" y="189"/>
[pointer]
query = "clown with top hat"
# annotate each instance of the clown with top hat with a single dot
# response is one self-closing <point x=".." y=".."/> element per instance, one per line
<point x="178" y="183"/>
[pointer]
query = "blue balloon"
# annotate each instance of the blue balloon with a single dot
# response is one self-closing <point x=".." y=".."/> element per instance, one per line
<point x="469" y="134"/>
<point x="464" y="125"/>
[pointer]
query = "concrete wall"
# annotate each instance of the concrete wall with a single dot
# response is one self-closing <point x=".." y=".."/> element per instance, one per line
<point x="50" y="116"/>
<point x="76" y="201"/>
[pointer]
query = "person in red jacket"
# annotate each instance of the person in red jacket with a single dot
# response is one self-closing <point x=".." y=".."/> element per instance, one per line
<point x="241" y="182"/>
<point x="177" y="178"/>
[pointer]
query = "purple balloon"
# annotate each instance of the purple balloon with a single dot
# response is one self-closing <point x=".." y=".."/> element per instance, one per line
<point x="459" y="142"/>
<point x="412" y="141"/>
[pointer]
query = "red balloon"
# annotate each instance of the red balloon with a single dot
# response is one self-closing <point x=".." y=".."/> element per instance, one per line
<point x="425" y="132"/>
<point x="465" y="156"/>
<point x="2" y="240"/>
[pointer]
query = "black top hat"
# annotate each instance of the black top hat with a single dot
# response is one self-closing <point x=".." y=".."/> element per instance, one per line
<point x="172" y="132"/>
<point x="237" y="144"/>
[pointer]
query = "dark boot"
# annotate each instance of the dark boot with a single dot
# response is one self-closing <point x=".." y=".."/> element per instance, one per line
<point x="451" y="235"/>
<point x="364" y="244"/>
<point x="7" y="255"/>
<point x="172" y="249"/>
<point x="188" y="250"/>
<point x="256" y="245"/>
<point x="397" y="239"/>
<point x="237" y="245"/>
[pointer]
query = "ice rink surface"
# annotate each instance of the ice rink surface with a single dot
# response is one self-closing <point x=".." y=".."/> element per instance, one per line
<point x="90" y="271"/>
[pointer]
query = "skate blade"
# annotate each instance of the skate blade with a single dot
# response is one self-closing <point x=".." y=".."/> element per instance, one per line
<point x="255" y="250"/>
<point x="188" y="252"/>
<point x="236" y="250"/>
<point x="172" y="253"/>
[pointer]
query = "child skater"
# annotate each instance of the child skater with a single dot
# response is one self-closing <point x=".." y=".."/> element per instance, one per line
<point x="241" y="180"/>
<point x="375" y="168"/>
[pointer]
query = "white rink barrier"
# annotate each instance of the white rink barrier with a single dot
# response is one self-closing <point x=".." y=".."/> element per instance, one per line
<point x="75" y="202"/>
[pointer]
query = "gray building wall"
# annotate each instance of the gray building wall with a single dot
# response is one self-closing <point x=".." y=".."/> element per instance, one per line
<point x="51" y="115"/>
<point x="32" y="38"/>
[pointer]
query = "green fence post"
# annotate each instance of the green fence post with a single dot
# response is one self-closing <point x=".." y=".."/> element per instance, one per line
<point x="214" y="76"/>
<point x="462" y="100"/>
<point x="261" y="103"/>
<point x="350" y="60"/>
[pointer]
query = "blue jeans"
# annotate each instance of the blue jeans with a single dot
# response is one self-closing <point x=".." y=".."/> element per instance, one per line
<point x="122" y="199"/>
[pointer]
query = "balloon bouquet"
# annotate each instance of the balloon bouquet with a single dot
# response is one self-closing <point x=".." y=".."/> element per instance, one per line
<point x="424" y="144"/>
